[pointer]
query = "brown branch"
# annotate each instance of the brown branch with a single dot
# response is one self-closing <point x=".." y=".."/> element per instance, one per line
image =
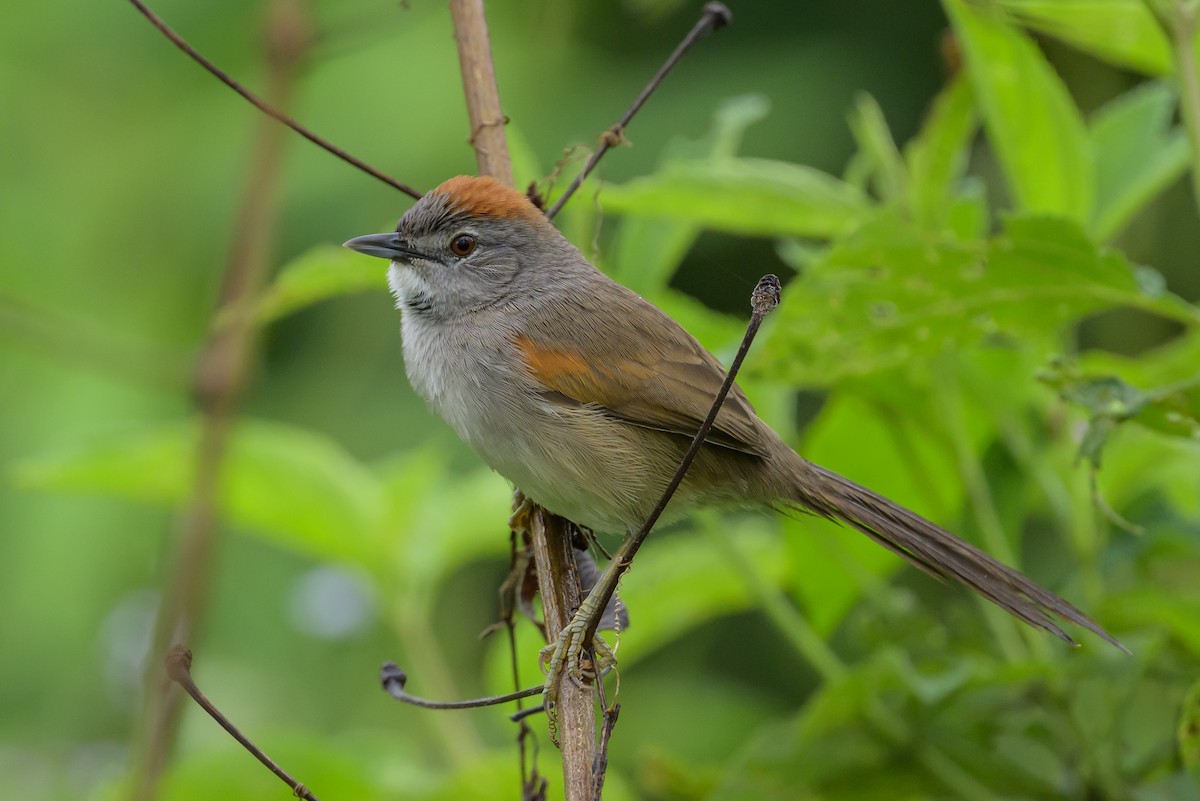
<point x="268" y="108"/>
<point x="561" y="592"/>
<point x="218" y="384"/>
<point x="179" y="668"/>
<point x="479" y="86"/>
<point x="714" y="17"/>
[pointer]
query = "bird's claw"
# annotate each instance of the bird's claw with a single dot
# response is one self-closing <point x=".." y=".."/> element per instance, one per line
<point x="522" y="509"/>
<point x="564" y="658"/>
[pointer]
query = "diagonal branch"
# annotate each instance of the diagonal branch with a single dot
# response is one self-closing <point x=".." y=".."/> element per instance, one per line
<point x="264" y="106"/>
<point x="714" y="17"/>
<point x="763" y="301"/>
<point x="179" y="669"/>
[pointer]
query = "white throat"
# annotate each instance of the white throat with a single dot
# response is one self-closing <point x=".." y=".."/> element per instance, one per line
<point x="407" y="286"/>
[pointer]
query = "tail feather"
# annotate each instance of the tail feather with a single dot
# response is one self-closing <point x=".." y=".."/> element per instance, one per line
<point x="938" y="552"/>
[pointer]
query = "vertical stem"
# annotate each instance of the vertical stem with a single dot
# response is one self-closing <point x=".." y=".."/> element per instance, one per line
<point x="459" y="736"/>
<point x="558" y="580"/>
<point x="983" y="505"/>
<point x="561" y="591"/>
<point x="219" y="382"/>
<point x="479" y="85"/>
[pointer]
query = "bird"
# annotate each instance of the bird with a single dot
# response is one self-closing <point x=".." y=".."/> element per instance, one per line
<point x="585" y="396"/>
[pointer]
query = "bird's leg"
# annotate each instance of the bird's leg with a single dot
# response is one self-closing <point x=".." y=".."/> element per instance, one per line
<point x="564" y="655"/>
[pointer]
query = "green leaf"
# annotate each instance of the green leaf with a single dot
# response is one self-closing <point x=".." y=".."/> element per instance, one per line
<point x="754" y="197"/>
<point x="441" y="519"/>
<point x="888" y="296"/>
<point x="1032" y="123"/>
<point x="937" y="156"/>
<point x="1189" y="729"/>
<point x="1139" y="153"/>
<point x="834" y="566"/>
<point x="324" y="272"/>
<point x="1121" y="32"/>
<point x="886" y="168"/>
<point x="288" y="485"/>
<point x="682" y="582"/>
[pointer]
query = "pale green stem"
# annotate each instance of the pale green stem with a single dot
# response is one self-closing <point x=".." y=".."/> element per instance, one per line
<point x="1182" y="31"/>
<point x="784" y="616"/>
<point x="983" y="508"/>
<point x="427" y="664"/>
<point x="1077" y="523"/>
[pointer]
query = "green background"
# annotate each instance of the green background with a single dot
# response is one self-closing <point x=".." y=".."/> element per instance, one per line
<point x="767" y="658"/>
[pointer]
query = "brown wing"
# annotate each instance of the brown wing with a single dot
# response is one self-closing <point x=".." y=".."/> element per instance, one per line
<point x="638" y="365"/>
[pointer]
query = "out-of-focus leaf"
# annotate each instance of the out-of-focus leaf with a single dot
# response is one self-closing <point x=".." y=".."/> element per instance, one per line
<point x="649" y="248"/>
<point x="1031" y="120"/>
<point x="1140" y="462"/>
<point x="322" y="273"/>
<point x="717" y="331"/>
<point x="937" y="156"/>
<point x="330" y="768"/>
<point x="754" y="197"/>
<point x="875" y="142"/>
<point x="1121" y="32"/>
<point x="834" y="566"/>
<point x="295" y="488"/>
<point x="440" y="519"/>
<point x="682" y="582"/>
<point x="1189" y="729"/>
<point x="1153" y="608"/>
<point x="967" y="216"/>
<point x="525" y="164"/>
<point x="1139" y="153"/>
<point x="889" y="296"/>
<point x="1033" y="758"/>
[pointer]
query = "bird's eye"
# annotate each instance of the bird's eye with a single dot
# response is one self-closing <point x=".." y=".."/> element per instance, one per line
<point x="462" y="245"/>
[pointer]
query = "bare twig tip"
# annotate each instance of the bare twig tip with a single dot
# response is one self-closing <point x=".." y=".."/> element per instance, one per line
<point x="719" y="13"/>
<point x="391" y="674"/>
<point x="766" y="294"/>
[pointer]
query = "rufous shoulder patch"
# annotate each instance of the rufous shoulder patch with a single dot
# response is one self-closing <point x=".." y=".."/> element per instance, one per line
<point x="487" y="197"/>
<point x="551" y="367"/>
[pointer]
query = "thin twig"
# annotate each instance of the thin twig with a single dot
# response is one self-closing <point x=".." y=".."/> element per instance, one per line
<point x="600" y="769"/>
<point x="763" y="300"/>
<point x="393" y="679"/>
<point x="521" y="715"/>
<point x="179" y="667"/>
<point x="265" y="107"/>
<point x="714" y="17"/>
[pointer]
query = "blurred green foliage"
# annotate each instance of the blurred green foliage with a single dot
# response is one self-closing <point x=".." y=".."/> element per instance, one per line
<point x="972" y="329"/>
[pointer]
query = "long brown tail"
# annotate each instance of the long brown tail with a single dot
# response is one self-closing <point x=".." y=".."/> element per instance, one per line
<point x="937" y="551"/>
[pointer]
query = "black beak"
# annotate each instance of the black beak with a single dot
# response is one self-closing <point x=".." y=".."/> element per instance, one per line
<point x="385" y="246"/>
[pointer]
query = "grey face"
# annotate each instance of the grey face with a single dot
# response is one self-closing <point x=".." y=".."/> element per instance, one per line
<point x="445" y="262"/>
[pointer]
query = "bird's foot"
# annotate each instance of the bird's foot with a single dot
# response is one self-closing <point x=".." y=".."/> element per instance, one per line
<point x="522" y="509"/>
<point x="565" y="659"/>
